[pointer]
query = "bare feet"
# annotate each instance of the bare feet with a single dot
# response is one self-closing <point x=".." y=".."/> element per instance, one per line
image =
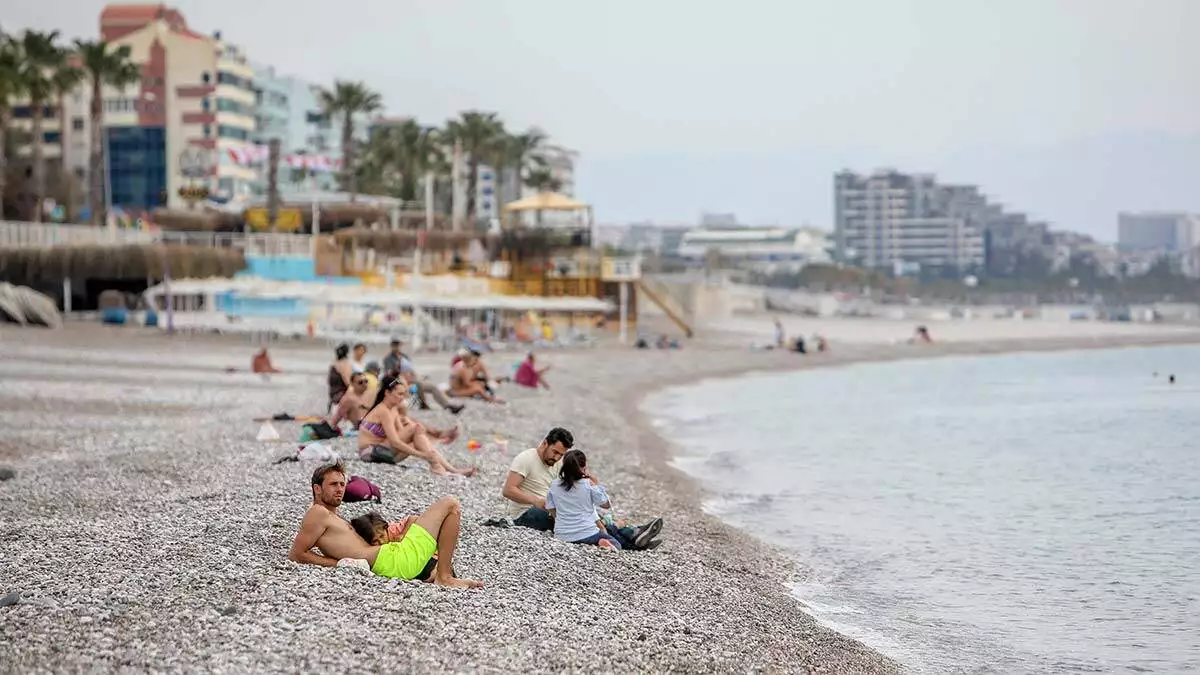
<point x="453" y="582"/>
<point x="606" y="544"/>
<point x="468" y="472"/>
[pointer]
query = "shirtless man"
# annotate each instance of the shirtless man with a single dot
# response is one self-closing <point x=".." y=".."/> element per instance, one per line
<point x="354" y="403"/>
<point x="469" y="378"/>
<point x="435" y="531"/>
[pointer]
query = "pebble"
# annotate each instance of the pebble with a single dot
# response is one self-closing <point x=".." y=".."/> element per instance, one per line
<point x="7" y="473"/>
<point x="170" y="517"/>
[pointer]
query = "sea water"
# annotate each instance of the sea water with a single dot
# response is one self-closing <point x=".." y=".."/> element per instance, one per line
<point x="1031" y="512"/>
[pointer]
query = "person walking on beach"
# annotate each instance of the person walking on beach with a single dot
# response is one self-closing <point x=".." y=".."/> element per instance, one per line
<point x="528" y="483"/>
<point x="338" y="545"/>
<point x="572" y="502"/>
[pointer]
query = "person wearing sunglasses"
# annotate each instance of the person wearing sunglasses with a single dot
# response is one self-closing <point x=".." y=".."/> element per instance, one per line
<point x="388" y="436"/>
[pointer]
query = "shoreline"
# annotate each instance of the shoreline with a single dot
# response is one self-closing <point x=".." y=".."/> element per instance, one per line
<point x="856" y="355"/>
<point x="184" y="509"/>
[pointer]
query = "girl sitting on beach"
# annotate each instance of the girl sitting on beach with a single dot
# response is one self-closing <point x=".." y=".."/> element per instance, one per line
<point x="572" y="501"/>
<point x="386" y="434"/>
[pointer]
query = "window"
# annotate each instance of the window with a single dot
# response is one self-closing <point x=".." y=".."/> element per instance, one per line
<point x="205" y="104"/>
<point x="234" y="80"/>
<point x="226" y="105"/>
<point x="207" y="131"/>
<point x="137" y="165"/>
<point x="51" y="137"/>
<point x="225" y="131"/>
<point x="25" y="112"/>
<point x="80" y="172"/>
<point x="205" y="77"/>
<point x="77" y="124"/>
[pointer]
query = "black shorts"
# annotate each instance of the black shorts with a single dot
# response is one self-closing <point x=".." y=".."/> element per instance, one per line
<point x="381" y="454"/>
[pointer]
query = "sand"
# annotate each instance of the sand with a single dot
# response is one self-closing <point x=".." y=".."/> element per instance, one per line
<point x="147" y="529"/>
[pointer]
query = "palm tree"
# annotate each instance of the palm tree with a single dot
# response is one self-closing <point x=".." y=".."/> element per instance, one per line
<point x="43" y="57"/>
<point x="349" y="99"/>
<point x="542" y="179"/>
<point x="11" y="88"/>
<point x="398" y="156"/>
<point x="64" y="81"/>
<point x="102" y="64"/>
<point x="481" y="135"/>
<point x="521" y="154"/>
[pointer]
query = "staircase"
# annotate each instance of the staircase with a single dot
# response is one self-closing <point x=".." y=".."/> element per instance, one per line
<point x="661" y="296"/>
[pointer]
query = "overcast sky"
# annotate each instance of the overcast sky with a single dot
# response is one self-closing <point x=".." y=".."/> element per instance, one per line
<point x="1068" y="109"/>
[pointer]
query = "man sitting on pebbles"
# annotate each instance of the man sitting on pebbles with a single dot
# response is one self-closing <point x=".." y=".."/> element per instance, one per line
<point x="528" y="482"/>
<point x="432" y="532"/>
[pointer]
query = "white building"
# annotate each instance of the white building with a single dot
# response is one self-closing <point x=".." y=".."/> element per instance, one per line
<point x="894" y="220"/>
<point x="762" y="248"/>
<point x="561" y="163"/>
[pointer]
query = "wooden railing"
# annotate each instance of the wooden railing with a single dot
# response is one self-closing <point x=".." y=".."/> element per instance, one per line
<point x="46" y="235"/>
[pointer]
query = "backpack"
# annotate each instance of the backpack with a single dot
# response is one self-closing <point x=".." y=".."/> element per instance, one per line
<point x="360" y="489"/>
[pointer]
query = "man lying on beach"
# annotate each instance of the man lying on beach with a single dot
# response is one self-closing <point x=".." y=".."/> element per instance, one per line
<point x="435" y="531"/>
<point x="528" y="482"/>
<point x="470" y="379"/>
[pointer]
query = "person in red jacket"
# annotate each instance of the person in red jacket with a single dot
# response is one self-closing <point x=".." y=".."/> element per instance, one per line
<point x="528" y="374"/>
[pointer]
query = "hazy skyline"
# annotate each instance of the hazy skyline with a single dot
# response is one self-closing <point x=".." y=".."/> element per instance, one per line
<point x="1067" y="109"/>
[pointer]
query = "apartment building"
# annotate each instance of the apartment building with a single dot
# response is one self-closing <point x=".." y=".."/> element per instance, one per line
<point x="289" y="109"/>
<point x="561" y="162"/>
<point x="196" y="94"/>
<point x="1162" y="232"/>
<point x="894" y="220"/>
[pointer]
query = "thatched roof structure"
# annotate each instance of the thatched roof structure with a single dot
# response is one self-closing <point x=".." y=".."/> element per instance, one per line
<point x="30" y="265"/>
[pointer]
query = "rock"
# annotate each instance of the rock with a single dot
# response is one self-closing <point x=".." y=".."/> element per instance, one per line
<point x="7" y="473"/>
<point x="10" y="599"/>
<point x="229" y="611"/>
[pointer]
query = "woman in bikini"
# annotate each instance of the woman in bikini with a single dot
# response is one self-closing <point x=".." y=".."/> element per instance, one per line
<point x="386" y="435"/>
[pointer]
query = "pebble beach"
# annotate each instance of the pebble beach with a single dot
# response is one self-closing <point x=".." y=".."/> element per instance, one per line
<point x="147" y="529"/>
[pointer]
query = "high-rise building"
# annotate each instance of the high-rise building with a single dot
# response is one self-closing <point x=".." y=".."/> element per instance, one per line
<point x="289" y="110"/>
<point x="1158" y="231"/>
<point x="894" y="220"/>
<point x="172" y="129"/>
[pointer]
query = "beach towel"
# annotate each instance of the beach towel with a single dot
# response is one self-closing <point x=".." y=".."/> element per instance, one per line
<point x="360" y="489"/>
<point x="321" y="431"/>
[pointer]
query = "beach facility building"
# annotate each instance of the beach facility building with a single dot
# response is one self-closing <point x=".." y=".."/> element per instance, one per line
<point x="764" y="249"/>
